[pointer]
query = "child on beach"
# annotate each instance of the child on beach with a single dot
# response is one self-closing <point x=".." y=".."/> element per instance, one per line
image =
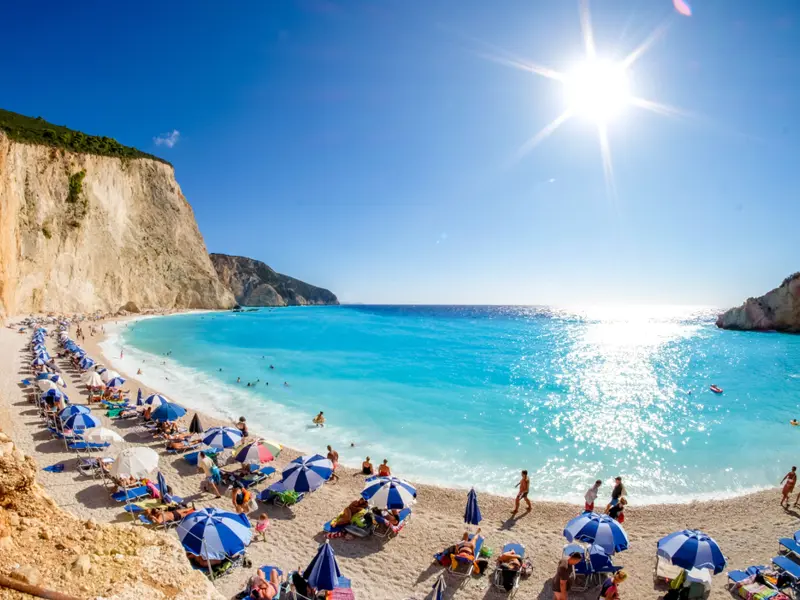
<point x="524" y="486"/>
<point x="261" y="527"/>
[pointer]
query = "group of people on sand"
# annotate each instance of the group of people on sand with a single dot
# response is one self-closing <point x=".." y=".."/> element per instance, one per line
<point x="565" y="577"/>
<point x="615" y="507"/>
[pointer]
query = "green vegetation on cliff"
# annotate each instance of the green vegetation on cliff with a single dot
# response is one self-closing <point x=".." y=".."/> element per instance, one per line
<point x="30" y="130"/>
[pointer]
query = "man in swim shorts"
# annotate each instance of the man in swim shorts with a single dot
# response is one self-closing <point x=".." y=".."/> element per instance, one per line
<point x="524" y="486"/>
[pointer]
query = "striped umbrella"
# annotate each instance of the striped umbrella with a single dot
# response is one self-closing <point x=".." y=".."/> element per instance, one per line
<point x="690" y="549"/>
<point x="254" y="453"/>
<point x="155" y="400"/>
<point x="472" y="514"/>
<point x="54" y="377"/>
<point x="439" y="587"/>
<point x="100" y="368"/>
<point x="139" y="401"/>
<point x="46" y="384"/>
<point x="214" y="534"/>
<point x="136" y="461"/>
<point x="107" y="375"/>
<point x="73" y="409"/>
<point x="38" y="362"/>
<point x="307" y="473"/>
<point x="53" y="396"/>
<point x="168" y="412"/>
<point x="86" y="363"/>
<point x="274" y="447"/>
<point x="389" y="493"/>
<point x="162" y="485"/>
<point x="222" y="437"/>
<point x="597" y="529"/>
<point x="323" y="573"/>
<point x="81" y="421"/>
<point x="116" y="382"/>
<point x="93" y="379"/>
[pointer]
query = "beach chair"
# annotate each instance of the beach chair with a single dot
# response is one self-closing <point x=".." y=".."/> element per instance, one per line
<point x="81" y="446"/>
<point x="256" y="477"/>
<point x="187" y="446"/>
<point x="385" y="529"/>
<point x="664" y="572"/>
<point x="91" y="466"/>
<point x="786" y="565"/>
<point x="148" y="503"/>
<point x="463" y="567"/>
<point x="193" y="457"/>
<point x="266" y="571"/>
<point x="506" y="576"/>
<point x="789" y="546"/>
<point x="131" y="494"/>
<point x="226" y="567"/>
<point x="274" y="495"/>
<point x="595" y="566"/>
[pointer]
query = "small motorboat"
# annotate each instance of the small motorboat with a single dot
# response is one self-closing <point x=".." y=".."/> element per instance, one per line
<point x="716" y="389"/>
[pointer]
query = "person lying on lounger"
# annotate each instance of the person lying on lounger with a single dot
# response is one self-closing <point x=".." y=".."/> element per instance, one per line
<point x="162" y="517"/>
<point x="355" y="507"/>
<point x="261" y="589"/>
<point x="466" y="547"/>
<point x="509" y="560"/>
<point x="126" y="481"/>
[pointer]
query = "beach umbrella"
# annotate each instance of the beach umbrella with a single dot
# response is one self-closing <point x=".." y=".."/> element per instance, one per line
<point x="254" y="453"/>
<point x="599" y="559"/>
<point x="162" y="485"/>
<point x="53" y="396"/>
<point x="597" y="529"/>
<point x="323" y="573"/>
<point x="86" y="363"/>
<point x="38" y="362"/>
<point x="73" y="409"/>
<point x="107" y="375"/>
<point x="155" y="400"/>
<point x="139" y="401"/>
<point x="116" y="382"/>
<point x="99" y="368"/>
<point x="214" y="534"/>
<point x="222" y="437"/>
<point x="93" y="379"/>
<point x="439" y="587"/>
<point x="689" y="549"/>
<point x="307" y="473"/>
<point x="274" y="447"/>
<point x="81" y="421"/>
<point x="102" y="435"/>
<point x="196" y="426"/>
<point x="136" y="461"/>
<point x="46" y="384"/>
<point x="472" y="514"/>
<point x="389" y="493"/>
<point x="54" y="377"/>
<point x="168" y="412"/>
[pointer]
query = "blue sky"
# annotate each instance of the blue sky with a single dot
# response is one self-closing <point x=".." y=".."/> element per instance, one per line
<point x="372" y="147"/>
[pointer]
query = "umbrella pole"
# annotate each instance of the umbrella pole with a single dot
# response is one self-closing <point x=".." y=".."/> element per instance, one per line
<point x="208" y="560"/>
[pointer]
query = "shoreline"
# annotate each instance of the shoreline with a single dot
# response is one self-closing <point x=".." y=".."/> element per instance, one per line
<point x="109" y="343"/>
<point x="747" y="527"/>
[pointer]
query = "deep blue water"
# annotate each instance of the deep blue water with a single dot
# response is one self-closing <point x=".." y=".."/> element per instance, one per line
<point x="467" y="396"/>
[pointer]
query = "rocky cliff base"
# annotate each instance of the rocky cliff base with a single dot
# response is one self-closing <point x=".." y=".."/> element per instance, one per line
<point x="255" y="284"/>
<point x="778" y="310"/>
<point x="41" y="545"/>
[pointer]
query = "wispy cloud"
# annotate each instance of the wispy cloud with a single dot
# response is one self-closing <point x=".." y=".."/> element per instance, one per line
<point x="168" y="139"/>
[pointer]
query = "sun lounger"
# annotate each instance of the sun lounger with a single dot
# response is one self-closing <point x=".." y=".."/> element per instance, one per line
<point x="385" y="529"/>
<point x="90" y="466"/>
<point x="664" y="571"/>
<point x="257" y="477"/>
<point x="597" y="565"/>
<point x="131" y="494"/>
<point x="65" y="435"/>
<point x="147" y="504"/>
<point x="500" y="573"/>
<point x="226" y="567"/>
<point x="87" y="446"/>
<point x="272" y="495"/>
<point x="266" y="572"/>
<point x="192" y="457"/>
<point x="463" y="567"/>
<point x="187" y="445"/>
<point x="788" y="566"/>
<point x="791" y="546"/>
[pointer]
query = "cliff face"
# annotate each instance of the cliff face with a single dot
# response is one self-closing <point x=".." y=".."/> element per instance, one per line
<point x="778" y="310"/>
<point x="42" y="545"/>
<point x="80" y="233"/>
<point x="255" y="284"/>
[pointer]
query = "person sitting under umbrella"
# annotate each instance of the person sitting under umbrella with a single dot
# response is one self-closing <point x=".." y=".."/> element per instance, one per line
<point x="352" y="509"/>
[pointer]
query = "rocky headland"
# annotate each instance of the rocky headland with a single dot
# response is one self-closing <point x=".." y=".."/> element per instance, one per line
<point x="777" y="310"/>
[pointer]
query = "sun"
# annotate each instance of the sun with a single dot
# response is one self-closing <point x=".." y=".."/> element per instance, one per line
<point x="597" y="90"/>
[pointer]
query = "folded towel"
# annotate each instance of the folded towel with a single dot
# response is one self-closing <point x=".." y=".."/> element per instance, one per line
<point x="57" y="468"/>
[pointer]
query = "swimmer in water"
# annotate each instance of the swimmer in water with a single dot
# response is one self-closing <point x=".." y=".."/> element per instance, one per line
<point x="794" y="422"/>
<point x="238" y="380"/>
<point x="319" y="420"/>
<point x="271" y="367"/>
<point x="248" y="384"/>
<point x="285" y="384"/>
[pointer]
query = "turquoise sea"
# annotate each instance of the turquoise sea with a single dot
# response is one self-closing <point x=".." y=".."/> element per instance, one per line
<point x="464" y="396"/>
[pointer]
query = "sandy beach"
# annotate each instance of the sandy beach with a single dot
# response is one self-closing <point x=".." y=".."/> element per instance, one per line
<point x="747" y="528"/>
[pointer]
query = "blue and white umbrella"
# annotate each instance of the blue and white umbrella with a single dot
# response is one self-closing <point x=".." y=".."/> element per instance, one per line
<point x="214" y="534"/>
<point x="116" y="382"/>
<point x="307" y="473"/>
<point x="108" y="375"/>
<point x="389" y="493"/>
<point x="79" y="353"/>
<point x="86" y="363"/>
<point x="162" y="486"/>
<point x="222" y="437"/>
<point x="472" y="513"/>
<point x="139" y="401"/>
<point x="323" y="573"/>
<point x="439" y="587"/>
<point x="692" y="549"/>
<point x="155" y="400"/>
<point x="55" y="396"/>
<point x="597" y="529"/>
<point x="54" y="377"/>
<point x="100" y="369"/>
<point x="38" y="362"/>
<point x="81" y="421"/>
<point x="168" y="412"/>
<point x="73" y="409"/>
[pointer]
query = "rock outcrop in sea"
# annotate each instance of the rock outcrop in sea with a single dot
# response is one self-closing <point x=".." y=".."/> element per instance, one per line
<point x="255" y="284"/>
<point x="83" y="231"/>
<point x="777" y="310"/>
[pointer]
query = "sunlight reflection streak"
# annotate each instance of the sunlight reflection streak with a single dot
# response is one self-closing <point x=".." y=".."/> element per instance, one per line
<point x="658" y="107"/>
<point x="608" y="167"/>
<point x="544" y="133"/>
<point x="586" y="28"/>
<point x="526" y="66"/>
<point x="645" y="45"/>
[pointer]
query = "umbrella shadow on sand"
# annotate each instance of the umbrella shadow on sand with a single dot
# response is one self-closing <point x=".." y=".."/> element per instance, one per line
<point x="94" y="496"/>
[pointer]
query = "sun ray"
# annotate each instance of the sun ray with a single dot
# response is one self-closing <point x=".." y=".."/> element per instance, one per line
<point x="639" y="51"/>
<point x="526" y="66"/>
<point x="658" y="107"/>
<point x="546" y="131"/>
<point x="608" y="167"/>
<point x="586" y="29"/>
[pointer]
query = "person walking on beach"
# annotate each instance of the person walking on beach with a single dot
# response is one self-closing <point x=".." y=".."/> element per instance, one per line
<point x="618" y="492"/>
<point x="591" y="496"/>
<point x="211" y="471"/>
<point x="791" y="479"/>
<point x="524" y="486"/>
<point x="333" y="456"/>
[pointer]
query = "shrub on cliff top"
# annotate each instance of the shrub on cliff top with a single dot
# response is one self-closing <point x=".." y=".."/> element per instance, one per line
<point x="29" y="130"/>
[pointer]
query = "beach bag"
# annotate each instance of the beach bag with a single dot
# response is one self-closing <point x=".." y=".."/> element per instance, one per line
<point x="526" y="570"/>
<point x="289" y="497"/>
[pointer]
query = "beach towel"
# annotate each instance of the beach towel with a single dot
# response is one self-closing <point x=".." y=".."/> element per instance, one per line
<point x="57" y="468"/>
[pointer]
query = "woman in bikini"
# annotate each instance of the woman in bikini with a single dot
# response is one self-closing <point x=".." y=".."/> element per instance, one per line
<point x="791" y="479"/>
<point x="261" y="589"/>
<point x="466" y="547"/>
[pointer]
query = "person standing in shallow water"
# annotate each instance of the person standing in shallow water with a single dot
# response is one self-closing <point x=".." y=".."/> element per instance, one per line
<point x="791" y="479"/>
<point x="524" y="486"/>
